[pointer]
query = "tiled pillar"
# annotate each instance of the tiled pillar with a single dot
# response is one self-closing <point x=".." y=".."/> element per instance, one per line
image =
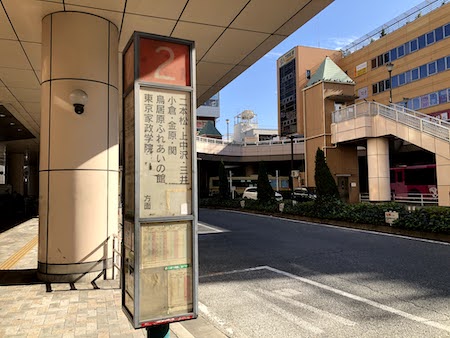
<point x="78" y="199"/>
<point x="378" y="169"/>
<point x="443" y="180"/>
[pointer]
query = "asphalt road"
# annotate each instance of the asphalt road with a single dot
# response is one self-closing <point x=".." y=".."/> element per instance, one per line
<point x="271" y="277"/>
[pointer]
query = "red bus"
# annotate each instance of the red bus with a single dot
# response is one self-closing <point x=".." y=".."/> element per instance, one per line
<point x="414" y="180"/>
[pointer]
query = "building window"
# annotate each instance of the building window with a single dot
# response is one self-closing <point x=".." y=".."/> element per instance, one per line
<point x="374" y="63"/>
<point x="416" y="103"/>
<point x="408" y="76"/>
<point x="406" y="48"/>
<point x="433" y="99"/>
<point x="439" y="34"/>
<point x="423" y="71"/>
<point x="401" y="51"/>
<point x="448" y="62"/>
<point x="375" y="88"/>
<point x="441" y="65"/>
<point x="401" y="79"/>
<point x="394" y="81"/>
<point x="422" y="43"/>
<point x="393" y="54"/>
<point x="415" y="74"/>
<point x="386" y="57"/>
<point x="447" y="30"/>
<point x="424" y="101"/>
<point x="381" y="86"/>
<point x="443" y="96"/>
<point x="413" y="45"/>
<point x="387" y="84"/>
<point x="431" y="68"/>
<point x="430" y="38"/>
<point x="380" y="60"/>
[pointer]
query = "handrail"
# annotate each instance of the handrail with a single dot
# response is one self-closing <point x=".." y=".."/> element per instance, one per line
<point x="116" y="238"/>
<point x="412" y="198"/>
<point x="246" y="144"/>
<point x="422" y="122"/>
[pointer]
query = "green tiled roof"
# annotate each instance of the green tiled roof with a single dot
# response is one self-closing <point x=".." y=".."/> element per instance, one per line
<point x="329" y="72"/>
<point x="210" y="130"/>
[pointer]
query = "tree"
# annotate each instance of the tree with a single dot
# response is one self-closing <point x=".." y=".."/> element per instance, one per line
<point x="325" y="185"/>
<point x="224" y="186"/>
<point x="265" y="190"/>
<point x="382" y="33"/>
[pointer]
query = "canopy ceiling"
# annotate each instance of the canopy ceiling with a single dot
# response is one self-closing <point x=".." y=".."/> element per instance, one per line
<point x="230" y="35"/>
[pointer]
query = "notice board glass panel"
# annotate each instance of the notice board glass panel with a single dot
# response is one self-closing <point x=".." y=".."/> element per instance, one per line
<point x="165" y="152"/>
<point x="165" y="270"/>
<point x="129" y="265"/>
<point x="129" y="154"/>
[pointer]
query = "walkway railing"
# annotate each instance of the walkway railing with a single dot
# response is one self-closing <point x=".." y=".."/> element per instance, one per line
<point x="413" y="199"/>
<point x="116" y="256"/>
<point x="247" y="144"/>
<point x="411" y="118"/>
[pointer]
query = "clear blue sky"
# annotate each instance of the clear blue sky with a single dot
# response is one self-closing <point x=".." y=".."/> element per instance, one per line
<point x="342" y="22"/>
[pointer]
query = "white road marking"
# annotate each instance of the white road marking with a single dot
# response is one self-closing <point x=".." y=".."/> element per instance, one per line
<point x="363" y="300"/>
<point x="285" y="314"/>
<point x="214" y="229"/>
<point x="341" y="293"/>
<point x="299" y="304"/>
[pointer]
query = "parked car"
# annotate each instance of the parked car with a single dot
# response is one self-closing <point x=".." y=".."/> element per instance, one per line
<point x="303" y="194"/>
<point x="252" y="194"/>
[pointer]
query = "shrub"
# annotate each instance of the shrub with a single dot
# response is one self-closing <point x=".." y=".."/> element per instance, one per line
<point x="265" y="190"/>
<point x="429" y="219"/>
<point x="326" y="187"/>
<point x="433" y="219"/>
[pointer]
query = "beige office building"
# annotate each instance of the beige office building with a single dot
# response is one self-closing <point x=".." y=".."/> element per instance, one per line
<point x="405" y="62"/>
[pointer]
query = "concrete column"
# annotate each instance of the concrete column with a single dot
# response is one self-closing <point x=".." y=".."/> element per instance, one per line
<point x="378" y="169"/>
<point x="443" y="180"/>
<point x="78" y="173"/>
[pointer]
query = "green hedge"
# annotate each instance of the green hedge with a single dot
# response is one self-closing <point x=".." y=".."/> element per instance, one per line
<point x="430" y="219"/>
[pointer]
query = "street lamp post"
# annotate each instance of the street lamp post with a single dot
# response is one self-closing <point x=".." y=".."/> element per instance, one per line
<point x="228" y="133"/>
<point x="291" y="179"/>
<point x="389" y="67"/>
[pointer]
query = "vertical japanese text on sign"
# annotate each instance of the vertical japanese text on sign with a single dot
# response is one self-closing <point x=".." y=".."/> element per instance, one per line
<point x="166" y="169"/>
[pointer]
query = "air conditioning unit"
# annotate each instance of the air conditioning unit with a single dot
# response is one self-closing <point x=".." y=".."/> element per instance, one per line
<point x="295" y="173"/>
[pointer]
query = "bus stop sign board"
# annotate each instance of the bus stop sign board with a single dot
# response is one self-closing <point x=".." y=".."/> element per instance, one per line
<point x="159" y="251"/>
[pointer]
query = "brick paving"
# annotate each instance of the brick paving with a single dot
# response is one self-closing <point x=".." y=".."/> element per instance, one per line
<point x="28" y="310"/>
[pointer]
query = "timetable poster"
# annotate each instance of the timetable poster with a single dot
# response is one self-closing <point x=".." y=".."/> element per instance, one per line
<point x="165" y="152"/>
<point x="166" y="269"/>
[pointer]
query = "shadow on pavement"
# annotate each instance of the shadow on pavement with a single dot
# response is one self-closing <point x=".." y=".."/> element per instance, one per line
<point x="18" y="277"/>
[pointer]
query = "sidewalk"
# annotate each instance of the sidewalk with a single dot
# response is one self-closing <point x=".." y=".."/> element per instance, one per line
<point x="68" y="310"/>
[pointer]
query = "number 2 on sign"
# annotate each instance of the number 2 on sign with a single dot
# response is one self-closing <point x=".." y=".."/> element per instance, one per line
<point x="165" y="63"/>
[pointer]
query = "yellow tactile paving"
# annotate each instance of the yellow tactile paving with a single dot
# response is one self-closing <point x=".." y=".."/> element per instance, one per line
<point x="11" y="261"/>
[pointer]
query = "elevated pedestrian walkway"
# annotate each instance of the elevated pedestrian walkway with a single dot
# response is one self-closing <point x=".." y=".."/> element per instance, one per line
<point x="247" y="151"/>
<point x="367" y="120"/>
